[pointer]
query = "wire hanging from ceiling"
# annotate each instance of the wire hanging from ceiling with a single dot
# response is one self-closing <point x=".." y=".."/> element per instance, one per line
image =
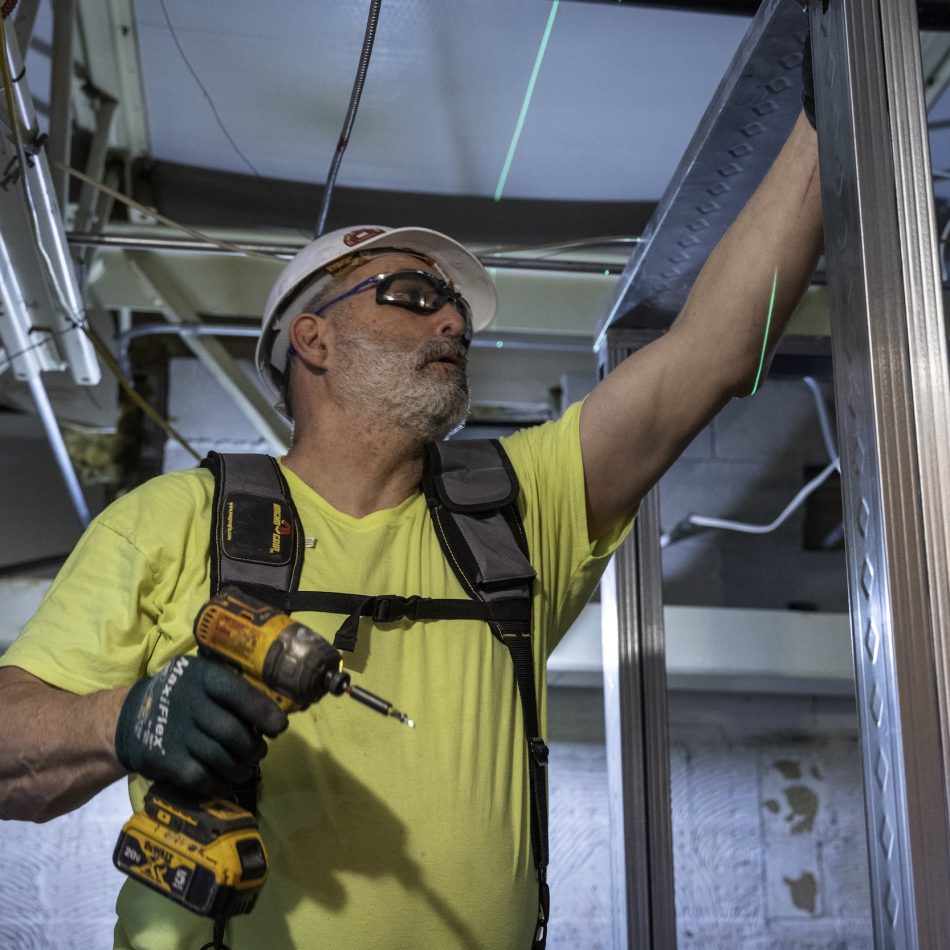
<point x="365" y="53"/>
<point x="204" y="90"/>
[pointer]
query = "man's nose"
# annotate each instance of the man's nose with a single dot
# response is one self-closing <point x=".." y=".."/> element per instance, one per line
<point x="449" y="322"/>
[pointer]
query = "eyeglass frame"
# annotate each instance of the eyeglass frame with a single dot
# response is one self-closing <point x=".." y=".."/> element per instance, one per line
<point x="449" y="295"/>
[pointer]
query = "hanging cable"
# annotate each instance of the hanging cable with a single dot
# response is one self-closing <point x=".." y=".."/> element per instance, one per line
<point x="690" y="523"/>
<point x="204" y="91"/>
<point x="366" y="52"/>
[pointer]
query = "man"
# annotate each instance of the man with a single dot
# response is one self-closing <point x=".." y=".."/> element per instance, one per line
<point x="380" y="836"/>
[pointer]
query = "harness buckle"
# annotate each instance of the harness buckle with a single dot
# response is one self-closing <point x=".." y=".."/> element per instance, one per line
<point x="392" y="607"/>
<point x="539" y="751"/>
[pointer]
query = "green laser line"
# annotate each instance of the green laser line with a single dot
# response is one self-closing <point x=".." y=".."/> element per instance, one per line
<point x="526" y="103"/>
<point x="765" y="339"/>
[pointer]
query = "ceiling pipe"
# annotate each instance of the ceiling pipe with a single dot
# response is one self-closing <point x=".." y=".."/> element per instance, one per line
<point x="283" y="252"/>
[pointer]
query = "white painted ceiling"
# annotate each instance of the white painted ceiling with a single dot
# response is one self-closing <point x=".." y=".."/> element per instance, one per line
<point x="619" y="93"/>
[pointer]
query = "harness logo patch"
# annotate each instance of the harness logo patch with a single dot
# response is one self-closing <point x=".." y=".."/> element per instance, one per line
<point x="256" y="529"/>
<point x="282" y="530"/>
<point x="360" y="235"/>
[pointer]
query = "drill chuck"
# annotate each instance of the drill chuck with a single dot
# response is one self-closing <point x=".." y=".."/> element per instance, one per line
<point x="303" y="666"/>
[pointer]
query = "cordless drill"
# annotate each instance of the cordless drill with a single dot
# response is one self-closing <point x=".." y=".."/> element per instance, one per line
<point x="206" y="853"/>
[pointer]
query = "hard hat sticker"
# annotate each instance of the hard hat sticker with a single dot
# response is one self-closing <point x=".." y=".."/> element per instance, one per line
<point x="361" y="235"/>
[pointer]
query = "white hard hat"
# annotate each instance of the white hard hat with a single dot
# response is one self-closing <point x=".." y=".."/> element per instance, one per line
<point x="458" y="265"/>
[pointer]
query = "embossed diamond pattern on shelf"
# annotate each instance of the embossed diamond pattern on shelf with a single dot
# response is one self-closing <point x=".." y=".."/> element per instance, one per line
<point x="779" y="84"/>
<point x="886" y="837"/>
<point x="867" y="578"/>
<point x="882" y="770"/>
<point x="860" y="457"/>
<point x="893" y="906"/>
<point x="792" y="61"/>
<point x="872" y="640"/>
<point x="864" y="516"/>
<point x="877" y="706"/>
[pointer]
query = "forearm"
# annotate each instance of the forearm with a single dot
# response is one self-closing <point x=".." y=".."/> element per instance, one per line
<point x="777" y="237"/>
<point x="57" y="749"/>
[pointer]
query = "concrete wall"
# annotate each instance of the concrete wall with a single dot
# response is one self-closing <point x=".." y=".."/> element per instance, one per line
<point x="768" y="824"/>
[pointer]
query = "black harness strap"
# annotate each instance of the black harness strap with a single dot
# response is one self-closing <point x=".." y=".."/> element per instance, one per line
<point x="472" y="493"/>
<point x="387" y="608"/>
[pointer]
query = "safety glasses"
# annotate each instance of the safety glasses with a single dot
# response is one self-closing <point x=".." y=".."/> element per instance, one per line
<point x="414" y="290"/>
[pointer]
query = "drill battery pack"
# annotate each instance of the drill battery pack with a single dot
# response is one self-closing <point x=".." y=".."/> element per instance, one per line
<point x="205" y="855"/>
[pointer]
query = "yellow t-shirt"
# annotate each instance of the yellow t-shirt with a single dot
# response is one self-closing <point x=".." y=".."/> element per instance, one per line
<point x="378" y="836"/>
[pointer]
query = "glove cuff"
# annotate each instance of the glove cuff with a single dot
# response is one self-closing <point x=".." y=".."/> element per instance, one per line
<point x="126" y="741"/>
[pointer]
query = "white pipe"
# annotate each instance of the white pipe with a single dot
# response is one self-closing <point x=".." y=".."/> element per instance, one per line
<point x="65" y="463"/>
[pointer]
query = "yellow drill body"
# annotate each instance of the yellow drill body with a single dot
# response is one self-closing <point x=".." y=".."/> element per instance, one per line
<point x="207" y="854"/>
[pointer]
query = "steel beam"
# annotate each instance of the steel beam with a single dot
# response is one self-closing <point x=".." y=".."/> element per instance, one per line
<point x="61" y="87"/>
<point x="213" y="355"/>
<point x="110" y="53"/>
<point x="26" y="11"/>
<point x="88" y="214"/>
<point x="893" y="392"/>
<point x="739" y="136"/>
<point x="635" y="718"/>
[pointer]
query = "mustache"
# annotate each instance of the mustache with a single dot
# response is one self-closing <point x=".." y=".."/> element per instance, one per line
<point x="449" y="347"/>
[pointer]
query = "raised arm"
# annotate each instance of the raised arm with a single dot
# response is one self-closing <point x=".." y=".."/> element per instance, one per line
<point x="641" y="417"/>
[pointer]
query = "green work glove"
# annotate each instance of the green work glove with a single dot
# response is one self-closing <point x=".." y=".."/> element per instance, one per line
<point x="196" y="724"/>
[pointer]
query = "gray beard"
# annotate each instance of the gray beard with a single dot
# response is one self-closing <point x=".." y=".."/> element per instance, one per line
<point x="397" y="388"/>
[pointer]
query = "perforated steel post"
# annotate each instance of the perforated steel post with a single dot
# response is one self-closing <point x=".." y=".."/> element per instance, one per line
<point x="891" y="384"/>
<point x="635" y="718"/>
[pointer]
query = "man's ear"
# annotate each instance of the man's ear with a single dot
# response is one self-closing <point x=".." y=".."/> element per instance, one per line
<point x="306" y="334"/>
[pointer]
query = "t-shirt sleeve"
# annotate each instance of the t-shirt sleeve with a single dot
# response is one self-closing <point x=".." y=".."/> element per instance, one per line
<point x="100" y="625"/>
<point x="547" y="460"/>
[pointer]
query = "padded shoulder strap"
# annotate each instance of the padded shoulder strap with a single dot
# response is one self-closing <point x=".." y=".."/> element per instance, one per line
<point x="472" y="491"/>
<point x="256" y="535"/>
